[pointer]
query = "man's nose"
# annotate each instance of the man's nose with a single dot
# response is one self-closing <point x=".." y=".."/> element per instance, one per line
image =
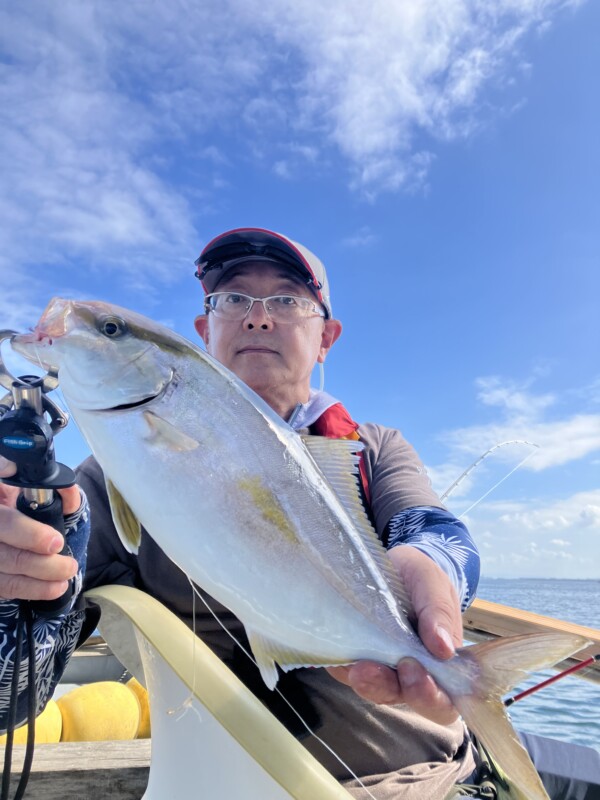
<point x="257" y="317"/>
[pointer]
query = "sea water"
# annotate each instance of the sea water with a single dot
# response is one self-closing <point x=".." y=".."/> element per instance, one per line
<point x="568" y="710"/>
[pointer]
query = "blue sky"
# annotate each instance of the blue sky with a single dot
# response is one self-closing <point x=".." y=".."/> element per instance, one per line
<point x="441" y="158"/>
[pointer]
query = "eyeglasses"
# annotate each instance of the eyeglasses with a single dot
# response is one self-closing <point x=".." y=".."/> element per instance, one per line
<point x="279" y="307"/>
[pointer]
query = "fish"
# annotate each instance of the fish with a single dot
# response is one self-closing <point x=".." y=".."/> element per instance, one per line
<point x="267" y="521"/>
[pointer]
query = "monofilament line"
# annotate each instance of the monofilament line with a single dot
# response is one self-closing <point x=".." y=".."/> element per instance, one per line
<point x="478" y="461"/>
<point x="187" y="703"/>
<point x="283" y="697"/>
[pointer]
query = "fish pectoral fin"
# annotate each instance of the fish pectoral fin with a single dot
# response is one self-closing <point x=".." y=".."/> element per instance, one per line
<point x="165" y="433"/>
<point x="267" y="651"/>
<point x="127" y="524"/>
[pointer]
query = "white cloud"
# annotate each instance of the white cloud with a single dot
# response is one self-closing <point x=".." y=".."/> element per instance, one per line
<point x="580" y="511"/>
<point x="559" y="441"/>
<point x="99" y="102"/>
<point x="77" y="185"/>
<point x="512" y="398"/>
<point x="282" y="169"/>
<point x="377" y="75"/>
<point x="363" y="237"/>
<point x="540" y="538"/>
<point x="572" y="437"/>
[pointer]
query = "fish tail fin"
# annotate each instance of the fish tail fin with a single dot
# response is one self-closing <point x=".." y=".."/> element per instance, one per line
<point x="501" y="664"/>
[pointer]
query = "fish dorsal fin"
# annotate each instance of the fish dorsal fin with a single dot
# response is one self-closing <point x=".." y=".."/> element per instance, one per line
<point x="338" y="460"/>
<point x="165" y="433"/>
<point x="267" y="651"/>
<point x="127" y="524"/>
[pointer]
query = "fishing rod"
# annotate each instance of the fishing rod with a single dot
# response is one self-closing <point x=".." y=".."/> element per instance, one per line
<point x="29" y="421"/>
<point x="575" y="668"/>
<point x="478" y="461"/>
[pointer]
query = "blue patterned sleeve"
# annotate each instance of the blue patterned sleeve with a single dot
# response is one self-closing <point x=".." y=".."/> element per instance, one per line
<point x="445" y="539"/>
<point x="55" y="637"/>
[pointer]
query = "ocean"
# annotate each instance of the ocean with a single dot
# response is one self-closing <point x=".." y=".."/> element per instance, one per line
<point x="569" y="709"/>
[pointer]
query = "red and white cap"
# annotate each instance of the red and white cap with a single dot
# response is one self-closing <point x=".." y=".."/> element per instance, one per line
<point x="257" y="244"/>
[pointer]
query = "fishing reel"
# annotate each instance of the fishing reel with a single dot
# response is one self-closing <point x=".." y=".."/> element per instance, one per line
<point x="28" y="422"/>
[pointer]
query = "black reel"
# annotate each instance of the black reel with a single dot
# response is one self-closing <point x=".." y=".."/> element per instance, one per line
<point x="28" y="422"/>
<point x="27" y="438"/>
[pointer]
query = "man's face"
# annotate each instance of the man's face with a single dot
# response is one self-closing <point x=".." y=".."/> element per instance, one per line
<point x="272" y="358"/>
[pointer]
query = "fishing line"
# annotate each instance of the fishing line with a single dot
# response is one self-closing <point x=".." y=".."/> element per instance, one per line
<point x="478" y="461"/>
<point x="187" y="704"/>
<point x="283" y="697"/>
<point x="495" y="486"/>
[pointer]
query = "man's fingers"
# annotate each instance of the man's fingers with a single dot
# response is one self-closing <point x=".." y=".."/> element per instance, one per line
<point x="31" y="567"/>
<point x="409" y="684"/>
<point x="24" y="533"/>
<point x="434" y="600"/>
<point x="435" y="624"/>
<point x="340" y="674"/>
<point x="370" y="680"/>
<point x="7" y="468"/>
<point x="8" y="495"/>
<point x="16" y="561"/>
<point x="375" y="682"/>
<point x="71" y="498"/>
<point x="421" y="692"/>
<point x="19" y="587"/>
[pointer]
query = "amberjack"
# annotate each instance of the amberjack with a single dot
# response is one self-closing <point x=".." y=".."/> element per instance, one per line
<point x="267" y="521"/>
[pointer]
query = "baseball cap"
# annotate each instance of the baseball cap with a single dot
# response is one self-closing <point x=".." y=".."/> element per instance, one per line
<point x="258" y="244"/>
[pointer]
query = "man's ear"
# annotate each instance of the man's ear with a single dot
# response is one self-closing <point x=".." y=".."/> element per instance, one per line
<point x="201" y="325"/>
<point x="332" y="330"/>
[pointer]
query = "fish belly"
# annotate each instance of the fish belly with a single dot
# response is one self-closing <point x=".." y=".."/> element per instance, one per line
<point x="213" y="511"/>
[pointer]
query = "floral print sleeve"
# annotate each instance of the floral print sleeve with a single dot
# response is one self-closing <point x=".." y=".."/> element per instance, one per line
<point x="55" y="637"/>
<point x="445" y="539"/>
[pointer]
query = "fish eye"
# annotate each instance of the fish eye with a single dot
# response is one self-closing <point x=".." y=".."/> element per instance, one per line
<point x="113" y="327"/>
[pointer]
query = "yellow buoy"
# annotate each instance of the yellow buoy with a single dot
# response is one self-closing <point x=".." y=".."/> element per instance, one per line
<point x="142" y="695"/>
<point x="48" y="727"/>
<point x="101" y="711"/>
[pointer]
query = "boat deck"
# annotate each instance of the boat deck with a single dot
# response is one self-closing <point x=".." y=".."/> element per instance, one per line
<point x="90" y="770"/>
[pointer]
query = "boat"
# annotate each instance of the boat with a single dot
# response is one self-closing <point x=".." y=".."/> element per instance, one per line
<point x="195" y="698"/>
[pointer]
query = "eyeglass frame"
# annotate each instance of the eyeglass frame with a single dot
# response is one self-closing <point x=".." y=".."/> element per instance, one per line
<point x="318" y="312"/>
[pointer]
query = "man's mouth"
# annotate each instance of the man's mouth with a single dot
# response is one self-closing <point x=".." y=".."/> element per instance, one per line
<point x="256" y="349"/>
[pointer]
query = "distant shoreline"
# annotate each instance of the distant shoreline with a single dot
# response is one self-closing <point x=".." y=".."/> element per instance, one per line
<point x="547" y="579"/>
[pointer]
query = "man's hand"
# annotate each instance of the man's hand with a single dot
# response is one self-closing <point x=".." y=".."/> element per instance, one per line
<point x="439" y="625"/>
<point x="30" y="565"/>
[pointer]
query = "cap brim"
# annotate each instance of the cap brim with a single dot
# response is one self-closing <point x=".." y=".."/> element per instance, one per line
<point x="234" y="246"/>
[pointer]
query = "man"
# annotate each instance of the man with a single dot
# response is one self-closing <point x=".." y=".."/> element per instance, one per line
<point x="268" y="317"/>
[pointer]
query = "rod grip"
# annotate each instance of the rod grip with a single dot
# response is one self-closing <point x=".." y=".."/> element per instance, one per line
<point x="50" y="514"/>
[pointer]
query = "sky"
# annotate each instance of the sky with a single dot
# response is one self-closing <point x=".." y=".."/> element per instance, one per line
<point x="441" y="158"/>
